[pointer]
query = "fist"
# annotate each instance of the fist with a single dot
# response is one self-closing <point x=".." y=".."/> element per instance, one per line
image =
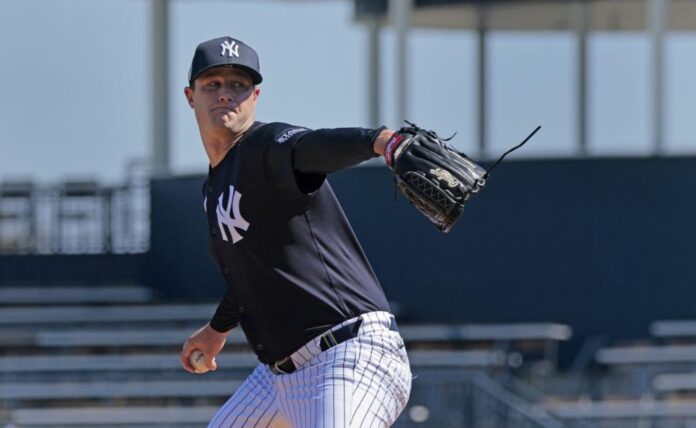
<point x="197" y="361"/>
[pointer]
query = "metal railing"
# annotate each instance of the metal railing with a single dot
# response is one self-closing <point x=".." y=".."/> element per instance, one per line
<point x="76" y="217"/>
<point x="470" y="399"/>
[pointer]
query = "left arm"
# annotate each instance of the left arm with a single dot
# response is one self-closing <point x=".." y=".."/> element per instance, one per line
<point x="329" y="150"/>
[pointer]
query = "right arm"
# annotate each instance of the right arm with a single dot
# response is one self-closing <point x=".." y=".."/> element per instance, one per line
<point x="211" y="338"/>
<point x="207" y="340"/>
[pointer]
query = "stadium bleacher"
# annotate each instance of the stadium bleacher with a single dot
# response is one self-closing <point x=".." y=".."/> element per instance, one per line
<point x="94" y="356"/>
<point x="108" y="356"/>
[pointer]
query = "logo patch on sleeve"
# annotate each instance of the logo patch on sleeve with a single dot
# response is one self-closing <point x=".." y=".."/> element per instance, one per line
<point x="285" y="136"/>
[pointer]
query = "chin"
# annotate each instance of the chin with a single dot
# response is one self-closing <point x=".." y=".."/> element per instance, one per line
<point x="234" y="127"/>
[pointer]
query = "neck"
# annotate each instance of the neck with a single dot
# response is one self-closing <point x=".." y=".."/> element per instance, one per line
<point x="217" y="144"/>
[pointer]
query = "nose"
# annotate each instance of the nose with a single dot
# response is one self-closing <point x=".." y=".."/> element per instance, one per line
<point x="225" y="96"/>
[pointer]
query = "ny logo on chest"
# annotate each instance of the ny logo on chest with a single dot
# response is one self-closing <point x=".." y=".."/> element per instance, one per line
<point x="230" y="216"/>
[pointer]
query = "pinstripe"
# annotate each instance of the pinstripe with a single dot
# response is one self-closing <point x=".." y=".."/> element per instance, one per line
<point x="283" y="386"/>
<point x="273" y="419"/>
<point x="317" y="416"/>
<point x="378" y="408"/>
<point x="226" y="410"/>
<point x="345" y="382"/>
<point x="326" y="389"/>
<point x="368" y="390"/>
<point x="252" y="384"/>
<point x="246" y="406"/>
<point x="315" y="419"/>
<point x="260" y="418"/>
<point x="386" y="415"/>
<point x="231" y="404"/>
<point x="336" y="388"/>
<point x="296" y="393"/>
<point x="356" y="385"/>
<point x="392" y="391"/>
<point x="271" y="404"/>
<point x="360" y="382"/>
<point x="307" y="410"/>
<point x="254" y="405"/>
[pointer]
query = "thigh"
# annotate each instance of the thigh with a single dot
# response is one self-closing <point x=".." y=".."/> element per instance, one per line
<point x="252" y="405"/>
<point x="363" y="382"/>
<point x="383" y="380"/>
<point x="320" y="393"/>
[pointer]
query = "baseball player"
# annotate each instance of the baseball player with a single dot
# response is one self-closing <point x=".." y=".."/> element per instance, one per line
<point x="298" y="282"/>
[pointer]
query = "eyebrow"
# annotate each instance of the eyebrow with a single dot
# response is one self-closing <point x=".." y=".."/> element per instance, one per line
<point x="220" y="73"/>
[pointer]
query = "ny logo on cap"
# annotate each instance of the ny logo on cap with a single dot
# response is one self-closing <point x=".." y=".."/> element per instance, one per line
<point x="231" y="47"/>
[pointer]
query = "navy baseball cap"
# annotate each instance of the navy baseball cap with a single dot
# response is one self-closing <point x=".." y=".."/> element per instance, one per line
<point x="225" y="51"/>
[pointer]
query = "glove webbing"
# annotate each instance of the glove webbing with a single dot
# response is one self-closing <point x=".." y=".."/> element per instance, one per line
<point x="495" y="164"/>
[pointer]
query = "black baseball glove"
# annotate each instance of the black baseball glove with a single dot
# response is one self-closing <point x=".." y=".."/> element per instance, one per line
<point x="434" y="177"/>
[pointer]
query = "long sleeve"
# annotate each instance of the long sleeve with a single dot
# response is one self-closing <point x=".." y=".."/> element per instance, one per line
<point x="328" y="150"/>
<point x="226" y="316"/>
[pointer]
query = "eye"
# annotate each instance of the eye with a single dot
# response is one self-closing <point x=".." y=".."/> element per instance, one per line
<point x="241" y="86"/>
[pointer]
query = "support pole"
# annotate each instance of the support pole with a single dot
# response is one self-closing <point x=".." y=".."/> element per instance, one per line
<point x="658" y="23"/>
<point x="582" y="14"/>
<point x="160" y="86"/>
<point x="373" y="71"/>
<point x="482" y="58"/>
<point x="400" y="14"/>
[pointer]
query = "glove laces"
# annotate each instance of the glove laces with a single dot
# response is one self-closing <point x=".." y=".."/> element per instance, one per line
<point x="500" y="159"/>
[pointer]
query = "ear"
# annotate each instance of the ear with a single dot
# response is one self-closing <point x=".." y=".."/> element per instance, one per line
<point x="188" y="92"/>
<point x="256" y="93"/>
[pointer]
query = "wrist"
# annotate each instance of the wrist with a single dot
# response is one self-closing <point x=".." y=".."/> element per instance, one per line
<point x="216" y="330"/>
<point x="390" y="148"/>
<point x="381" y="141"/>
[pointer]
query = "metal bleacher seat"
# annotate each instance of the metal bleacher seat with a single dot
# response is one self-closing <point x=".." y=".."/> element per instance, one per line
<point x="17" y="223"/>
<point x="108" y="389"/>
<point x="675" y="382"/>
<point x="545" y="336"/>
<point x="647" y="355"/>
<point x="226" y="361"/>
<point x="132" y="416"/>
<point x="53" y="295"/>
<point x="608" y="411"/>
<point x="641" y="364"/>
<point x="37" y="316"/>
<point x="672" y="329"/>
<point x="487" y="332"/>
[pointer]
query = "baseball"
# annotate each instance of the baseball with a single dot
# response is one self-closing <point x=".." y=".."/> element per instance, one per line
<point x="196" y="360"/>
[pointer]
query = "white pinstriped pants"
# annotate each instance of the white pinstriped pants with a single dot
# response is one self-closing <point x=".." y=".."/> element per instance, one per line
<point x="362" y="382"/>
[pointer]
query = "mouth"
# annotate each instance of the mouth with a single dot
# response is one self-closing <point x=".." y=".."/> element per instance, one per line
<point x="224" y="110"/>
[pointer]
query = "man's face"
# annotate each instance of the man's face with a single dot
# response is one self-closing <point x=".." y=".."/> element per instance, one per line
<point x="223" y="97"/>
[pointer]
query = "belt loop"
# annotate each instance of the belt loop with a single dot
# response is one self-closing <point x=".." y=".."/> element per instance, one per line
<point x="329" y="339"/>
<point x="280" y="362"/>
<point x="392" y="324"/>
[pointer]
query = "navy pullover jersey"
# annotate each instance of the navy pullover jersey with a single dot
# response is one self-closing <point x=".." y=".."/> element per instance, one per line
<point x="292" y="264"/>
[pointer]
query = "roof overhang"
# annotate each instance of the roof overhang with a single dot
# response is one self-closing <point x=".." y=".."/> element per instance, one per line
<point x="534" y="15"/>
